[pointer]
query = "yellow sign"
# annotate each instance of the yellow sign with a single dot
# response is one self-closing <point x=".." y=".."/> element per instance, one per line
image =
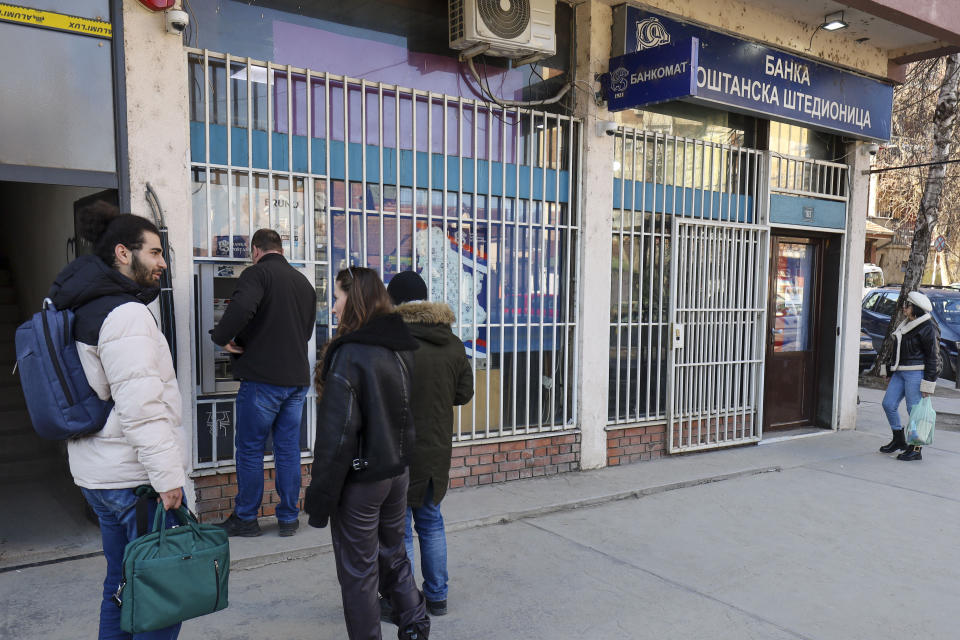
<point x="58" y="21"/>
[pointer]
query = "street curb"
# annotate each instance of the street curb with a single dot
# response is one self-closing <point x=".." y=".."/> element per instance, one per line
<point x="262" y="560"/>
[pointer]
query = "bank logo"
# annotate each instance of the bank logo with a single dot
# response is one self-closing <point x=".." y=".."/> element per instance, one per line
<point x="651" y="33"/>
<point x="618" y="79"/>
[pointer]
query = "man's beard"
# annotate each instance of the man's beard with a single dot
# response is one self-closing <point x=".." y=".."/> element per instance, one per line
<point x="142" y="274"/>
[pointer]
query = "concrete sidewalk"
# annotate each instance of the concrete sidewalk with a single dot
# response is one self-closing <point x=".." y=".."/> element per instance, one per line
<point x="511" y="501"/>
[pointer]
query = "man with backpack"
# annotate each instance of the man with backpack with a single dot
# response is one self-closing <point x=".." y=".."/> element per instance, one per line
<point x="125" y="358"/>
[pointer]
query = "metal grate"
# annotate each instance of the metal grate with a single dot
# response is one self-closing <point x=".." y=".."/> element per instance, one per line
<point x="805" y="177"/>
<point x="455" y="15"/>
<point x="482" y="200"/>
<point x="690" y="244"/>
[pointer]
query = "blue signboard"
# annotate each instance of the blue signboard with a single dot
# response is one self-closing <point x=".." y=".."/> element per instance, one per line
<point x="668" y="72"/>
<point x="752" y="78"/>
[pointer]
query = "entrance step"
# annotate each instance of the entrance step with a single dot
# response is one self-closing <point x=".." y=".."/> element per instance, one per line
<point x="7" y="376"/>
<point x="15" y="421"/>
<point x="9" y="313"/>
<point x="11" y="398"/>
<point x="33" y="468"/>
<point x="25" y="445"/>
<point x="8" y="351"/>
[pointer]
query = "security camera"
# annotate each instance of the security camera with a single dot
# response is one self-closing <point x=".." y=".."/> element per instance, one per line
<point x="872" y="148"/>
<point x="177" y="21"/>
<point x="606" y="127"/>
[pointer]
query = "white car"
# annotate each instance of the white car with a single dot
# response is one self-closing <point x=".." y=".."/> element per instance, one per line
<point x="872" y="278"/>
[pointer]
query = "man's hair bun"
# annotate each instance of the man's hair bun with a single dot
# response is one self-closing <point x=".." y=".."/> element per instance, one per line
<point x="94" y="218"/>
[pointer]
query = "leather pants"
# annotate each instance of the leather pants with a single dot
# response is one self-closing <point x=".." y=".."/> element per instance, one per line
<point x="367" y="530"/>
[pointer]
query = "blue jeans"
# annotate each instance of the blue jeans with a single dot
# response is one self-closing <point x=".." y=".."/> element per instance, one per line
<point x="902" y="384"/>
<point x="118" y="525"/>
<point x="263" y="410"/>
<point x="433" y="546"/>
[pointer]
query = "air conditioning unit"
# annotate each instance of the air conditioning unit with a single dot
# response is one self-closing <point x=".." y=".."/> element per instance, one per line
<point x="507" y="28"/>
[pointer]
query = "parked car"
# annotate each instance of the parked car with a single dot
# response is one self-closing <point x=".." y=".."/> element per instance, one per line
<point x="872" y="278"/>
<point x="881" y="303"/>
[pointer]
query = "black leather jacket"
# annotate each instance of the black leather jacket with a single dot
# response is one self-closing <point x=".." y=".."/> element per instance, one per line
<point x="365" y="428"/>
<point x="919" y="347"/>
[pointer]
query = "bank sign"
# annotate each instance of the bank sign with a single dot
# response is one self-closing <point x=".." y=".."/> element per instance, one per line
<point x="658" y="59"/>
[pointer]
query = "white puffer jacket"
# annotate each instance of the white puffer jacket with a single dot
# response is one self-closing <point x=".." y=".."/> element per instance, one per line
<point x="143" y="440"/>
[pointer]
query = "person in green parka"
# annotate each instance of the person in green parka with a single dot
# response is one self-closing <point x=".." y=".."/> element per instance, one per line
<point x="442" y="378"/>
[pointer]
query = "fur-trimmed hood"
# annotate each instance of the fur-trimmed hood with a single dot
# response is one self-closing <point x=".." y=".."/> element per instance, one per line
<point x="429" y="321"/>
<point x="426" y="313"/>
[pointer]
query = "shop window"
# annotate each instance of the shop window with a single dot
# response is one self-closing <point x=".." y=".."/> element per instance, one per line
<point x="479" y="200"/>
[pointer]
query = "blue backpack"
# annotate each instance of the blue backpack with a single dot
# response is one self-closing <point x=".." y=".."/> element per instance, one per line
<point x="60" y="401"/>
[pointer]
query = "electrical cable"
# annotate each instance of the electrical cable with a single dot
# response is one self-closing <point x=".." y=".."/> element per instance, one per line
<point x="515" y="103"/>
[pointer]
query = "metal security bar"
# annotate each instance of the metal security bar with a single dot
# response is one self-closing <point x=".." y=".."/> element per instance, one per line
<point x="690" y="244"/>
<point x="481" y="200"/>
<point x="718" y="295"/>
<point x="805" y="177"/>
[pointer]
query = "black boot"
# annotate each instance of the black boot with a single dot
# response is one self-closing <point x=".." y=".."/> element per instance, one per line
<point x="912" y="453"/>
<point x="898" y="443"/>
<point x="416" y="631"/>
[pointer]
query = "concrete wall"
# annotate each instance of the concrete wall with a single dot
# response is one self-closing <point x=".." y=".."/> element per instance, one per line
<point x="36" y="221"/>
<point x="157" y="138"/>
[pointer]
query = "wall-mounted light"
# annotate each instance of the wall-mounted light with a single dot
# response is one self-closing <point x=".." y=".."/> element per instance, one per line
<point x="834" y="21"/>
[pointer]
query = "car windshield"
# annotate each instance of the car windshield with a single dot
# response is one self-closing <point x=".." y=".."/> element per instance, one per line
<point x="948" y="310"/>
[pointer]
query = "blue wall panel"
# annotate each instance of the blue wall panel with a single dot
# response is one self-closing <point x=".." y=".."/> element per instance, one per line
<point x="828" y="214"/>
<point x="698" y="203"/>
<point x="468" y="174"/>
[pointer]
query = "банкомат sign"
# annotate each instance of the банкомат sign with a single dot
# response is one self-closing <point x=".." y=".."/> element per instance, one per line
<point x="656" y="57"/>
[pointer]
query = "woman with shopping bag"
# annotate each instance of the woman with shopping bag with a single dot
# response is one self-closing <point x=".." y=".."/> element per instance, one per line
<point x="913" y="369"/>
<point x="365" y="436"/>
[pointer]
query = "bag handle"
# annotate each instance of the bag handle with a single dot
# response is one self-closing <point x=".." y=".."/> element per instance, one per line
<point x="145" y="492"/>
<point x="184" y="516"/>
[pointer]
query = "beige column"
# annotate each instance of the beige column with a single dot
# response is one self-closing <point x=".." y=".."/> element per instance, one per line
<point x="853" y="285"/>
<point x="593" y="20"/>
<point x="158" y="147"/>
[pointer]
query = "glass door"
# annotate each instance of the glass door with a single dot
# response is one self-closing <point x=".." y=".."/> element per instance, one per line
<point x="793" y="309"/>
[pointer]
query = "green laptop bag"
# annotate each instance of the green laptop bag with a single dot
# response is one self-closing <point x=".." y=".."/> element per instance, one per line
<point x="171" y="575"/>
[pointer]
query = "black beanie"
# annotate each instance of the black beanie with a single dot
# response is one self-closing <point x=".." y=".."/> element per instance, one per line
<point x="407" y="286"/>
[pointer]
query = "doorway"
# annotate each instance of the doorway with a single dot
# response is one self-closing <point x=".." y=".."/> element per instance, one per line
<point x="37" y="239"/>
<point x="793" y="336"/>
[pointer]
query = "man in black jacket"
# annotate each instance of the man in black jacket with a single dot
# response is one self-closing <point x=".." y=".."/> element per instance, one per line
<point x="266" y="327"/>
<point x="443" y="378"/>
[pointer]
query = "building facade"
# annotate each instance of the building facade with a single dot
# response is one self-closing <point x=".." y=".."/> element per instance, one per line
<point x="637" y="270"/>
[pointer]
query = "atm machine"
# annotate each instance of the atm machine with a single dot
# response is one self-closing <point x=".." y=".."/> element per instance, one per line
<point x="216" y="386"/>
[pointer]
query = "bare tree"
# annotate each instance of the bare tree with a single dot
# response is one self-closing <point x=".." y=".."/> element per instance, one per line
<point x="929" y="210"/>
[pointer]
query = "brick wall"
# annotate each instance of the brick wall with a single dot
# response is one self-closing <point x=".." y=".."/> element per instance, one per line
<point x="471" y="465"/>
<point x="215" y="493"/>
<point x="491" y="462"/>
<point x="635" y="443"/>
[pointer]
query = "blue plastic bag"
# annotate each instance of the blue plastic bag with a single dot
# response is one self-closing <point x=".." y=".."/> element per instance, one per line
<point x="922" y="421"/>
